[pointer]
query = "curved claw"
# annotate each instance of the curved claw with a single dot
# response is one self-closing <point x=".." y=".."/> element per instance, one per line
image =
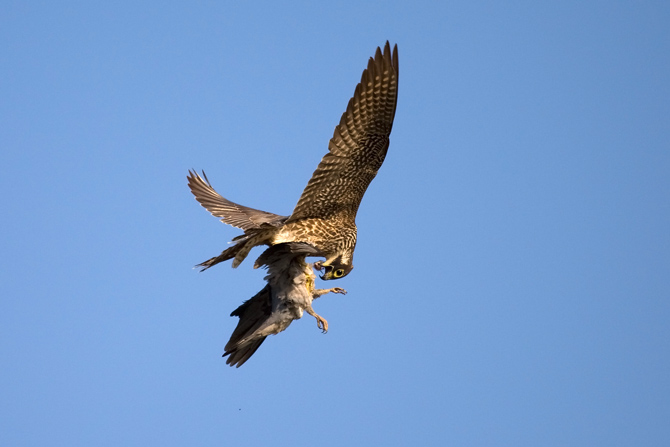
<point x="322" y="324"/>
<point x="339" y="290"/>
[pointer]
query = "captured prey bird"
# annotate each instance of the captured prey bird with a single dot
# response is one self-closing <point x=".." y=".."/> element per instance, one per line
<point x="325" y="214"/>
<point x="289" y="291"/>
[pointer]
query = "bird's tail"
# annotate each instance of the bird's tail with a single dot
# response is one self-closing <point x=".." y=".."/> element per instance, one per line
<point x="239" y="251"/>
<point x="228" y="253"/>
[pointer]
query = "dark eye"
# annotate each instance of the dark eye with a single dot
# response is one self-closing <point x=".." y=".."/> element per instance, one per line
<point x="338" y="273"/>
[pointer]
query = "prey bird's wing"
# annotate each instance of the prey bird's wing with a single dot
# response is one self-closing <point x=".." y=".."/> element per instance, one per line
<point x="280" y="254"/>
<point x="359" y="144"/>
<point x="253" y="313"/>
<point x="231" y="213"/>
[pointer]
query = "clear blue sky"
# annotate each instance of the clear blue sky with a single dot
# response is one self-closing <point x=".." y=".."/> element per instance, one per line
<point x="512" y="281"/>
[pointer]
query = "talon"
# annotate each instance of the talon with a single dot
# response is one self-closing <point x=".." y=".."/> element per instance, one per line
<point x="339" y="290"/>
<point x="322" y="324"/>
<point x="317" y="265"/>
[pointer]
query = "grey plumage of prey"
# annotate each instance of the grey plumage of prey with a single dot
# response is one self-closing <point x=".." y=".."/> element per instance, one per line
<point x="289" y="291"/>
<point x="325" y="214"/>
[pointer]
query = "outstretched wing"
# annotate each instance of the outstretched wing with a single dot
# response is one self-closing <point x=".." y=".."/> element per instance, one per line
<point x="359" y="144"/>
<point x="231" y="213"/>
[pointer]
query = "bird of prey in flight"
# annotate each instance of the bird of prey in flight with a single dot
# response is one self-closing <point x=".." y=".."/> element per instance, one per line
<point x="326" y="211"/>
<point x="322" y="223"/>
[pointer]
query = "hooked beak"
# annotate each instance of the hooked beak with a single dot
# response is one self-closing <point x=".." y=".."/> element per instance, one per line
<point x="328" y="273"/>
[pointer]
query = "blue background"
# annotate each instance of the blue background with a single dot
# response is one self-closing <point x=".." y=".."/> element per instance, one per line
<point x="512" y="271"/>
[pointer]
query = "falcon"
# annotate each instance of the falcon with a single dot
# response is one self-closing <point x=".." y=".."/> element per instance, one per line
<point x="325" y="214"/>
<point x="289" y="291"/>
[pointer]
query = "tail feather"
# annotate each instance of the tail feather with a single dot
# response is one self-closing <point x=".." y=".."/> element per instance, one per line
<point x="242" y="247"/>
<point x="228" y="253"/>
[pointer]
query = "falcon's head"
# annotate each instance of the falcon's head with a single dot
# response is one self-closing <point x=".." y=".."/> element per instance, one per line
<point x="335" y="268"/>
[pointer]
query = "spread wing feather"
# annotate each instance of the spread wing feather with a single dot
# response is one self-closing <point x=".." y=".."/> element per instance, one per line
<point x="231" y="213"/>
<point x="359" y="144"/>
